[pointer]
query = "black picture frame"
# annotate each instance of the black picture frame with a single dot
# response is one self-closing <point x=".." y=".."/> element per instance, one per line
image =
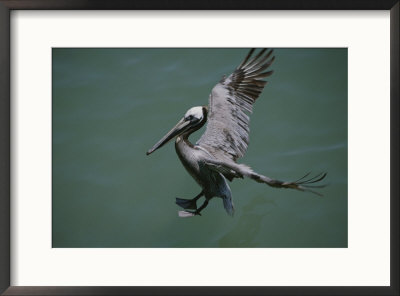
<point x="8" y="5"/>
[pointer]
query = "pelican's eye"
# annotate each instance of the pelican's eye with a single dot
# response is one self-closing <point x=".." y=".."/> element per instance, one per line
<point x="192" y="118"/>
<point x="194" y="114"/>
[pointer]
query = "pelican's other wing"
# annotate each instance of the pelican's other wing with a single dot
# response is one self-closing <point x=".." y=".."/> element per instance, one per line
<point x="231" y="102"/>
<point x="232" y="169"/>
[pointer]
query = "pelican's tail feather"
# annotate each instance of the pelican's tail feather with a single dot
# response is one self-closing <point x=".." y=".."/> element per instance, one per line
<point x="228" y="205"/>
<point x="186" y="203"/>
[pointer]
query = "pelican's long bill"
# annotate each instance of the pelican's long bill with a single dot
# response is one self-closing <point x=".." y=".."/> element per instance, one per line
<point x="181" y="127"/>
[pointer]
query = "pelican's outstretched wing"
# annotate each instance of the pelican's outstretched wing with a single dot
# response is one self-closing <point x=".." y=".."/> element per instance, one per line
<point x="231" y="102"/>
<point x="231" y="169"/>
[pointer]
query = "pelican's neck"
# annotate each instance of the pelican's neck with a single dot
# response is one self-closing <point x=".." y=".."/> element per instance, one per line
<point x="184" y="139"/>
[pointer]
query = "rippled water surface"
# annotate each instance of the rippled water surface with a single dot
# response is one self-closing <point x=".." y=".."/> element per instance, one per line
<point x="111" y="105"/>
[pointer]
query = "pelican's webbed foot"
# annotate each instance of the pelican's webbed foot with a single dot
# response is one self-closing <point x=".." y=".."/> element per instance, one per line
<point x="185" y="214"/>
<point x="189" y="204"/>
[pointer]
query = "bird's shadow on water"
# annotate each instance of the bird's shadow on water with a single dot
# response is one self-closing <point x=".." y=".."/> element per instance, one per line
<point x="247" y="229"/>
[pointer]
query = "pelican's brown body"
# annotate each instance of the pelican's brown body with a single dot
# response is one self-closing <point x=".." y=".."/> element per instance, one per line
<point x="213" y="183"/>
<point x="212" y="160"/>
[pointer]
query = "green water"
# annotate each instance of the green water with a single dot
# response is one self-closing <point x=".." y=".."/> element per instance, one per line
<point x="111" y="105"/>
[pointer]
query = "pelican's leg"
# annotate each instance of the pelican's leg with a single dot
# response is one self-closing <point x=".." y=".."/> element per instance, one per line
<point x="205" y="204"/>
<point x="189" y="203"/>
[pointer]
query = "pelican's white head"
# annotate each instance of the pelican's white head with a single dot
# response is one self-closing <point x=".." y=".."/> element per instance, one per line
<point x="194" y="113"/>
<point x="194" y="119"/>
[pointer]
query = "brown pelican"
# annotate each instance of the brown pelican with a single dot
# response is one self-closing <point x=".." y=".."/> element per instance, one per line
<point x="212" y="160"/>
